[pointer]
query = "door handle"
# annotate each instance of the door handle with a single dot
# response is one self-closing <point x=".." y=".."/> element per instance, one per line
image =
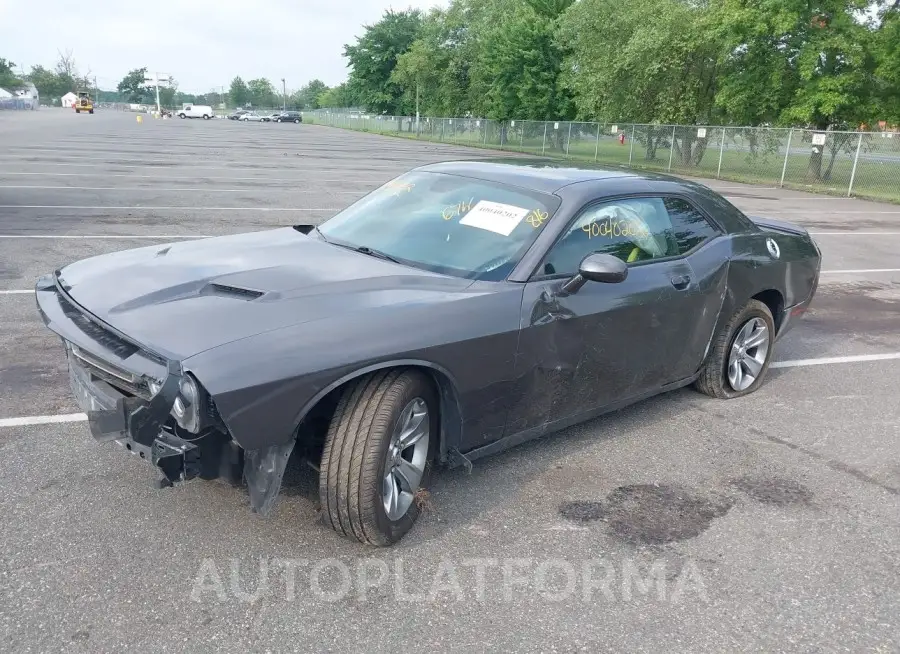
<point x="681" y="282"/>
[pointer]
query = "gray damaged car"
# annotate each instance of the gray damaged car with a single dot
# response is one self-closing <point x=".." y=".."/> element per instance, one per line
<point x="457" y="310"/>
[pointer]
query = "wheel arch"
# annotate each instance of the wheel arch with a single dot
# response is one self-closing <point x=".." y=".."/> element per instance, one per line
<point x="450" y="410"/>
<point x="774" y="300"/>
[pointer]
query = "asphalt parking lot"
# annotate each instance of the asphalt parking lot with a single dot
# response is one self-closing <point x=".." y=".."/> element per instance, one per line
<point x="682" y="524"/>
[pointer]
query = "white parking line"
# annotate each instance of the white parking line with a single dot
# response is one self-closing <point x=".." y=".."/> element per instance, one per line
<point x="16" y="292"/>
<point x="193" y="167"/>
<point x="42" y="420"/>
<point x="95" y="208"/>
<point x="190" y="157"/>
<point x="163" y="237"/>
<point x="155" y="189"/>
<point x="824" y="361"/>
<point x="855" y="233"/>
<point x="258" y="178"/>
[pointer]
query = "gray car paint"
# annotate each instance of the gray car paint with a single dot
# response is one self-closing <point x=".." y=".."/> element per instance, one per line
<point x="512" y="359"/>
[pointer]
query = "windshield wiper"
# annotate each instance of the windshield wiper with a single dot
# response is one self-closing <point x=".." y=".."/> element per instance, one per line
<point x="365" y="249"/>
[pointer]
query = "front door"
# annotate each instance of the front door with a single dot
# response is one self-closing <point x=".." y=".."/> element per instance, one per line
<point x="608" y="343"/>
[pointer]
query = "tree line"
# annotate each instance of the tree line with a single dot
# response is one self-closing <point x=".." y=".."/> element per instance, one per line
<point x="259" y="92"/>
<point x="824" y="64"/>
<point x="54" y="83"/>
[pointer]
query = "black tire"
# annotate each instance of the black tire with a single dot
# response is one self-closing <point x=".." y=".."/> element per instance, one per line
<point x="296" y="121"/>
<point x="91" y="111"/>
<point x="205" y="117"/>
<point x="181" y="116"/>
<point x="350" y="477"/>
<point x="278" y="120"/>
<point x="78" y="111"/>
<point x="713" y="380"/>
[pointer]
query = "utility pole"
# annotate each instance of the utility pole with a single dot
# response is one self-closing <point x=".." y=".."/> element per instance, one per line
<point x="96" y="91"/>
<point x="283" y="95"/>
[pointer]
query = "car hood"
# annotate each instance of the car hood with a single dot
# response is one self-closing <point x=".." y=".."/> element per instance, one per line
<point x="183" y="298"/>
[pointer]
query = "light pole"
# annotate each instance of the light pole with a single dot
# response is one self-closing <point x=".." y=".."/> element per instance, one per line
<point x="283" y="95"/>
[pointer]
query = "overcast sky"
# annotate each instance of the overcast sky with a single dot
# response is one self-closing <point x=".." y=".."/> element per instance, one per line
<point x="201" y="43"/>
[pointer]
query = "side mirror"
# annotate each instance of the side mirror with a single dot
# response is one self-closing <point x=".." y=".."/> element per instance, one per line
<point x="597" y="267"/>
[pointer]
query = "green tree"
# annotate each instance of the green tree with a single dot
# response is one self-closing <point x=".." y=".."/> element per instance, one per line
<point x="134" y="88"/>
<point x="520" y="66"/>
<point x="308" y="96"/>
<point x="887" y="72"/>
<point x="8" y="77"/>
<point x="262" y="93"/>
<point x="373" y="58"/>
<point x="336" y="97"/>
<point x="644" y="62"/>
<point x="238" y="93"/>
<point x="49" y="85"/>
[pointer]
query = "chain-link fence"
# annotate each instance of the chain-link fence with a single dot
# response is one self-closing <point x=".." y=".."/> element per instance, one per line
<point x="862" y="164"/>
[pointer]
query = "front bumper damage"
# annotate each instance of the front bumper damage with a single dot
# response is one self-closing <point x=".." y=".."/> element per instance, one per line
<point x="110" y="376"/>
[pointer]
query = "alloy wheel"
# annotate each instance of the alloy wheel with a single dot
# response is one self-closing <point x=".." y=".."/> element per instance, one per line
<point x="748" y="354"/>
<point x="406" y="458"/>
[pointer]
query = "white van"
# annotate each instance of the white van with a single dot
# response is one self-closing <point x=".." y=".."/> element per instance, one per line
<point x="196" y="111"/>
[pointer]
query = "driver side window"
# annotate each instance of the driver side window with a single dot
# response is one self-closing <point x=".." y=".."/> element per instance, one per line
<point x="633" y="230"/>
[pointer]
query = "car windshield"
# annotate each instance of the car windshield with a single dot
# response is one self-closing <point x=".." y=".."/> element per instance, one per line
<point x="445" y="223"/>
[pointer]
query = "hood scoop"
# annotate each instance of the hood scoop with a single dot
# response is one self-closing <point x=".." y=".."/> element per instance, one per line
<point x="224" y="290"/>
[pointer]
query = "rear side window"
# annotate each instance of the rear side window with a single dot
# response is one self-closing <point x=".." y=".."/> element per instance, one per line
<point x="689" y="227"/>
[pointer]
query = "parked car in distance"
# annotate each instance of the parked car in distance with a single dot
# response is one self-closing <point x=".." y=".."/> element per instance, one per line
<point x="203" y="111"/>
<point x="289" y="117"/>
<point x="235" y="115"/>
<point x="253" y="117"/>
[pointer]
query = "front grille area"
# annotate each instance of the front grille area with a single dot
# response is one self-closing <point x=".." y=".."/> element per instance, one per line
<point x="107" y="339"/>
<point x="126" y="382"/>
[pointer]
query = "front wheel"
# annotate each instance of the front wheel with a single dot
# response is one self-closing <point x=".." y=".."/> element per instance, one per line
<point x="182" y="116"/>
<point x="739" y="356"/>
<point x="377" y="456"/>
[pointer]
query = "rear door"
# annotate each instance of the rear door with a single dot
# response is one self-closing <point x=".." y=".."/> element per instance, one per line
<point x="608" y="343"/>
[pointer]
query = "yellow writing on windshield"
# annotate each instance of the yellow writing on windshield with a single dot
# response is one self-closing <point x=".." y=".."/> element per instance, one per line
<point x="459" y="209"/>
<point x="536" y="218"/>
<point x="615" y="229"/>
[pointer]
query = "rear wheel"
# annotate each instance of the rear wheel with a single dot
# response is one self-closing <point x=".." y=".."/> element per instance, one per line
<point x="78" y="111"/>
<point x="739" y="356"/>
<point x="376" y="457"/>
<point x="91" y="111"/>
<point x="296" y="121"/>
<point x="205" y="116"/>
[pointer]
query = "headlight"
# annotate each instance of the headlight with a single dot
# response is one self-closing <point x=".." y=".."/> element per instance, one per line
<point x="186" y="410"/>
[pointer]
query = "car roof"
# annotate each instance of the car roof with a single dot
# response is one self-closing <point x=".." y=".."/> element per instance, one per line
<point x="540" y="174"/>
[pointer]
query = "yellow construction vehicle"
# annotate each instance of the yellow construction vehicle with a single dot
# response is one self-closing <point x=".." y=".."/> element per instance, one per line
<point x="84" y="103"/>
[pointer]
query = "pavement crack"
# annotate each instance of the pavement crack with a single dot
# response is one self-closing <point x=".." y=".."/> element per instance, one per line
<point x="834" y="464"/>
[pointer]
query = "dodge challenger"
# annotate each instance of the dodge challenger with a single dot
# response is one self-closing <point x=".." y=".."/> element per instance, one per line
<point x="458" y="310"/>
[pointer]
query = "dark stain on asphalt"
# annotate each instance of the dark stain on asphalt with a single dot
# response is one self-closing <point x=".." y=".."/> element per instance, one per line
<point x="774" y="490"/>
<point x="581" y="511"/>
<point x="651" y="515"/>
